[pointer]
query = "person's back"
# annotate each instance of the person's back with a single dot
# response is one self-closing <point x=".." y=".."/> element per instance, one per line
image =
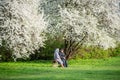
<point x="56" y="55"/>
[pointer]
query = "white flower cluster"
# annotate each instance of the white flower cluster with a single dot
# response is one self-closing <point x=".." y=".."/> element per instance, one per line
<point x="74" y="18"/>
<point x="22" y="26"/>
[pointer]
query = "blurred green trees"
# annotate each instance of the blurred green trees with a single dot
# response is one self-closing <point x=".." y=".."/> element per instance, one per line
<point x="97" y="52"/>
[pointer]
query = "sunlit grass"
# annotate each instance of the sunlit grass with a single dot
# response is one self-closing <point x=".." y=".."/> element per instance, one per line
<point x="91" y="69"/>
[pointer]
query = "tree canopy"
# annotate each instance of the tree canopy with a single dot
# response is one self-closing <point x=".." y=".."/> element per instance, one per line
<point x="24" y="23"/>
<point x="22" y="26"/>
<point x="84" y="22"/>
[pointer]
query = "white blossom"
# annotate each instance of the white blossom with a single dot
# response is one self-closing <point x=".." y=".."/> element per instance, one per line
<point x="98" y="18"/>
<point x="22" y="26"/>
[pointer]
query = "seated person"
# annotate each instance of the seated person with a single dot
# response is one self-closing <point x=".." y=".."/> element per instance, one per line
<point x="63" y="57"/>
<point x="57" y="57"/>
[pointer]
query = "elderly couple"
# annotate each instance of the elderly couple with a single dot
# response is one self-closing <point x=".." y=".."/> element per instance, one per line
<point x="59" y="57"/>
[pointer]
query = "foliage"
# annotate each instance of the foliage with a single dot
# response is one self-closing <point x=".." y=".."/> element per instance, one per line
<point x="93" y="52"/>
<point x="116" y="51"/>
<point x="96" y="52"/>
<point x="84" y="22"/>
<point x="5" y="52"/>
<point x="21" y="26"/>
<point x="47" y="52"/>
<point x="72" y="23"/>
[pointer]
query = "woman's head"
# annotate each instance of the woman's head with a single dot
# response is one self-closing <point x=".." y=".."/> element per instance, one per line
<point x="57" y="50"/>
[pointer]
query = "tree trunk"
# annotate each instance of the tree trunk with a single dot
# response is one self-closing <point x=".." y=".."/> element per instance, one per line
<point x="71" y="46"/>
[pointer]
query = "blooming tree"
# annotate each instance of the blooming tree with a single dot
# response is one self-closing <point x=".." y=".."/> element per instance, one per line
<point x="51" y="10"/>
<point x="21" y="26"/>
<point x="85" y="22"/>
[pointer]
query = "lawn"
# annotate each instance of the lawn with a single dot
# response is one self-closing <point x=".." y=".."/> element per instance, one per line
<point x="89" y="69"/>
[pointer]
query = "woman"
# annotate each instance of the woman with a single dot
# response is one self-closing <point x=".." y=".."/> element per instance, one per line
<point x="57" y="57"/>
<point x="62" y="56"/>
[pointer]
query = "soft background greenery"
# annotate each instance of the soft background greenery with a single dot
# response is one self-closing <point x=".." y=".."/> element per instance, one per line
<point x="79" y="69"/>
<point x="90" y="52"/>
<point x="46" y="53"/>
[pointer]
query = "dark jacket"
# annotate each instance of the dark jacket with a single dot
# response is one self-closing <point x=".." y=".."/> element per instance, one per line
<point x="62" y="55"/>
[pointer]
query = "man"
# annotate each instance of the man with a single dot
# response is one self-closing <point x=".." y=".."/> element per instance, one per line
<point x="63" y="57"/>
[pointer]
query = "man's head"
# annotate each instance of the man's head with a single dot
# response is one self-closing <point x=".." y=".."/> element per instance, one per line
<point x="61" y="50"/>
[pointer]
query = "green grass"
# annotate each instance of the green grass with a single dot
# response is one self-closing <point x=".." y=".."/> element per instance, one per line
<point x="90" y="69"/>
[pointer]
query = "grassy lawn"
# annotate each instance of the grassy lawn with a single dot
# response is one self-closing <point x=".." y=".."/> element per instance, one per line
<point x="91" y="69"/>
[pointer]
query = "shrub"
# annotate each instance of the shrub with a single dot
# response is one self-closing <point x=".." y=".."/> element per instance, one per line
<point x="97" y="52"/>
